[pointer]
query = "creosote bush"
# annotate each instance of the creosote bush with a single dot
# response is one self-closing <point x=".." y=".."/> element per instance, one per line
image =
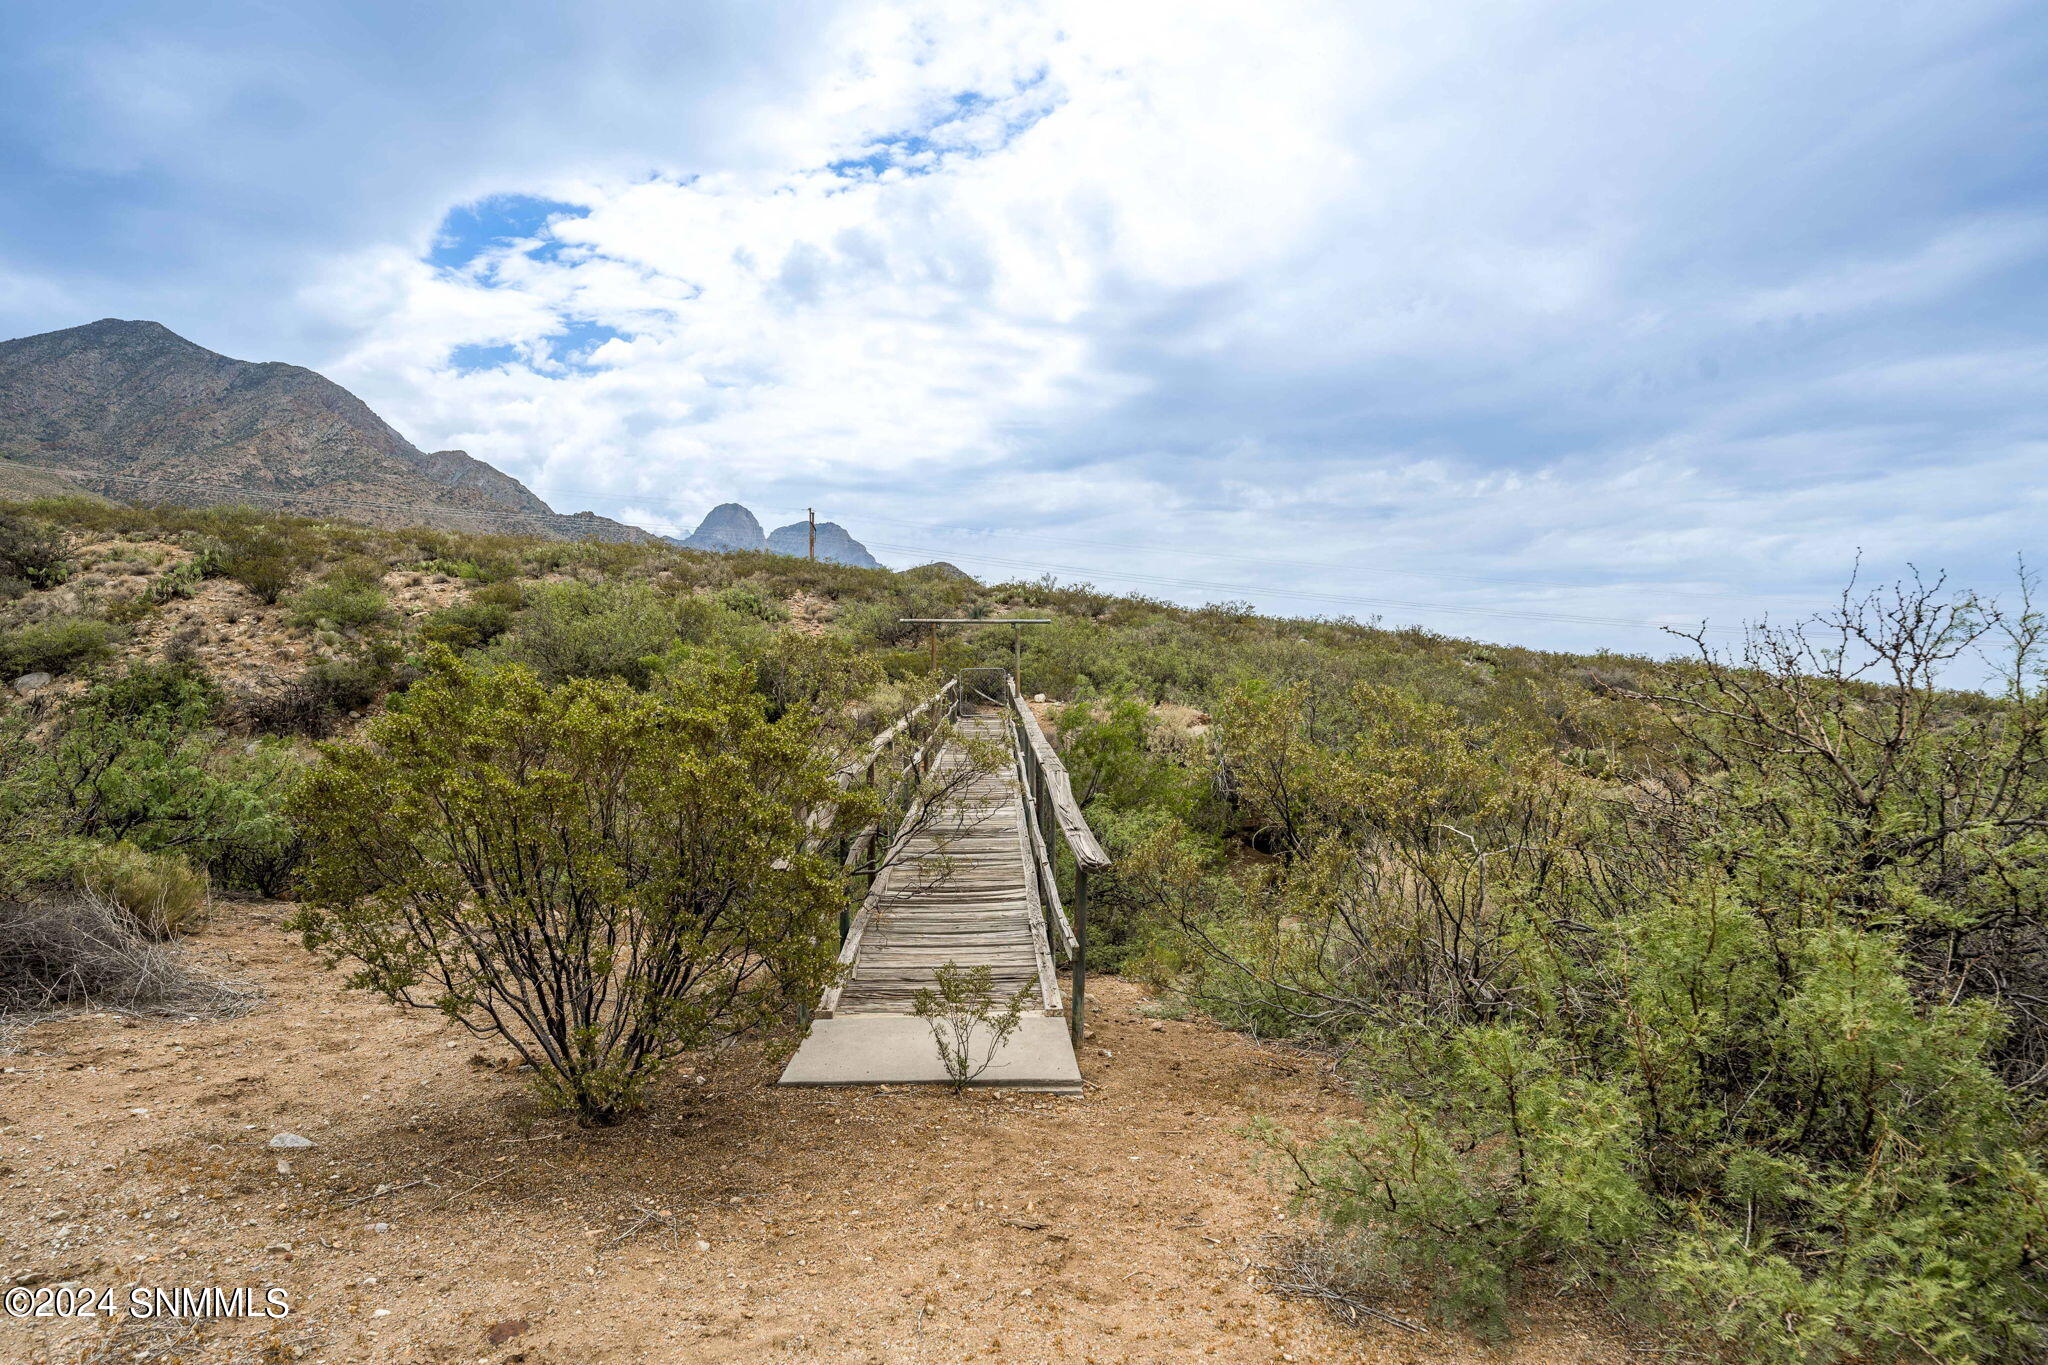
<point x="607" y="878"/>
<point x="969" y="1021"/>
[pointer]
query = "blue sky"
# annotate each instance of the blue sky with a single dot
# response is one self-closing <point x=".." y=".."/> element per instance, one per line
<point x="1534" y="322"/>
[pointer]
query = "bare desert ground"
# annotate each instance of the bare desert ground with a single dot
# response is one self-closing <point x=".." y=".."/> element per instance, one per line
<point x="442" y="1216"/>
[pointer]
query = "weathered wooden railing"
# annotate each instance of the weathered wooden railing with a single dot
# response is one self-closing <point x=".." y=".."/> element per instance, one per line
<point x="925" y="724"/>
<point x="1049" y="808"/>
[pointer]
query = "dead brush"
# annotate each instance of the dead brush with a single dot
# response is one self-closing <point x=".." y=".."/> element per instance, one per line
<point x="1322" y="1270"/>
<point x="82" y="950"/>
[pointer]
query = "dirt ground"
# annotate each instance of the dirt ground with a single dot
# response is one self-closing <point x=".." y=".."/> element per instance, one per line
<point x="731" y="1222"/>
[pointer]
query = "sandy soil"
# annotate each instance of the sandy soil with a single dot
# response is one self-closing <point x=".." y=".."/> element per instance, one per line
<point x="732" y="1221"/>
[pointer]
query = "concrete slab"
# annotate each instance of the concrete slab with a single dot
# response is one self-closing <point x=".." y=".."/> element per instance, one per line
<point x="895" y="1049"/>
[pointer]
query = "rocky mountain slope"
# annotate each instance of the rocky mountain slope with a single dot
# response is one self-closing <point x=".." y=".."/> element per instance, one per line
<point x="25" y="483"/>
<point x="730" y="527"/>
<point x="726" y="528"/>
<point x="834" y="544"/>
<point x="135" y="412"/>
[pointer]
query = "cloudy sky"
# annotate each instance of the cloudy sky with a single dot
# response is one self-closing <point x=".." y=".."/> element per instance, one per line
<point x="1533" y="322"/>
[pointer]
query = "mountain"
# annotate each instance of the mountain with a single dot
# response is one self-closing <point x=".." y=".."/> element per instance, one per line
<point x="730" y="527"/>
<point x="26" y="483"/>
<point x="135" y="412"/>
<point x="939" y="571"/>
<point x="726" y="528"/>
<point x="835" y="546"/>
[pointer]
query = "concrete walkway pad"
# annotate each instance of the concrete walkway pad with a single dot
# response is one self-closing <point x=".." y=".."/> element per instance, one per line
<point x="894" y="1049"/>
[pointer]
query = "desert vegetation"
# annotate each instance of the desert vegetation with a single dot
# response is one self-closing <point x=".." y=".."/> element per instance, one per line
<point x="1713" y="983"/>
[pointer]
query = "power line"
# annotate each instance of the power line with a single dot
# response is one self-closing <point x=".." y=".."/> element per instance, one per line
<point x="1314" y="566"/>
<point x="1183" y="552"/>
<point x="550" y="520"/>
<point x="1495" y="613"/>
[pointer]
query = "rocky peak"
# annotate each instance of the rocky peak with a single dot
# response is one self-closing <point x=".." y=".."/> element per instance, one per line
<point x="835" y="546"/>
<point x="726" y="528"/>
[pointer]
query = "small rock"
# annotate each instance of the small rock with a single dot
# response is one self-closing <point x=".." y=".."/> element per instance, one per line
<point x="31" y="682"/>
<point x="380" y="1227"/>
<point x="498" y="1333"/>
<point x="703" y="1246"/>
<point x="284" y="1166"/>
<point x="281" y="1141"/>
<point x="381" y="1313"/>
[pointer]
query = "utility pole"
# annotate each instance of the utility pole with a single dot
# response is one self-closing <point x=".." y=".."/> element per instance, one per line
<point x="812" y="513"/>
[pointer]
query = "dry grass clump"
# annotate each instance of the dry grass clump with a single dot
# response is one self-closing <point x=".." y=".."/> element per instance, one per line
<point x="1320" y="1269"/>
<point x="84" y="949"/>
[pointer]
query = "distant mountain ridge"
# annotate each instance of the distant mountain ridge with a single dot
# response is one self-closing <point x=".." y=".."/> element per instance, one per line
<point x="729" y="527"/>
<point x="133" y="411"/>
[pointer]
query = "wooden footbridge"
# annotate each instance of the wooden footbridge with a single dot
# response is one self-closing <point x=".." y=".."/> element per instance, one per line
<point x="970" y="876"/>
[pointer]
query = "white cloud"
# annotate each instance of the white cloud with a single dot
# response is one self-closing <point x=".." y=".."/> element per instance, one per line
<point x="1641" y="300"/>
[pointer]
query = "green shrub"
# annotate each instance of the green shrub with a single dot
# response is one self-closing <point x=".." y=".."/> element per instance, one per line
<point x="606" y="878"/>
<point x="338" y="603"/>
<point x="745" y="599"/>
<point x="137" y="759"/>
<point x="35" y="552"/>
<point x="265" y="561"/>
<point x="1652" y="1040"/>
<point x="163" y="893"/>
<point x="64" y="645"/>
<point x="482" y="569"/>
<point x="969" y="1021"/>
<point x="326" y="691"/>
<point x="597" y="630"/>
<point x="471" y="625"/>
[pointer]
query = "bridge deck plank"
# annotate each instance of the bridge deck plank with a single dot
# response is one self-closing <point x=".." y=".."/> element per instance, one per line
<point x="961" y="894"/>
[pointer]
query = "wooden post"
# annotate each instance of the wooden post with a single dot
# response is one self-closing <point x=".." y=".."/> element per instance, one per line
<point x="1080" y="950"/>
<point x="1079" y="1024"/>
<point x="845" y="910"/>
<point x="1044" y="795"/>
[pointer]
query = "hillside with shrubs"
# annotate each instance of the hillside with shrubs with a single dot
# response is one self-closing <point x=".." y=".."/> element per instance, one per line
<point x="1710" y="987"/>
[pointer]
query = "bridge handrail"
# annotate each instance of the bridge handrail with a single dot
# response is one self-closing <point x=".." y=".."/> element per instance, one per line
<point x="1059" y="788"/>
<point x="1048" y="882"/>
<point x="865" y="760"/>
